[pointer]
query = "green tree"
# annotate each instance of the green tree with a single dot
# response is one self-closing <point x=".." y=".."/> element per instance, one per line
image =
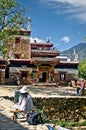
<point x="11" y="18"/>
<point x="82" y="69"/>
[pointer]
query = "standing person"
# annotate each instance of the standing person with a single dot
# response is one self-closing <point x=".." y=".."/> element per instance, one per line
<point x="82" y="86"/>
<point x="25" y="101"/>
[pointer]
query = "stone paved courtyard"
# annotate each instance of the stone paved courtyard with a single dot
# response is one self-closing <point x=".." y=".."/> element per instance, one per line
<point x="43" y="91"/>
<point x="6" y="105"/>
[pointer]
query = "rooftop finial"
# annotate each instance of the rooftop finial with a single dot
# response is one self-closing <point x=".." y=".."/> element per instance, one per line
<point x="75" y="56"/>
<point x="48" y="39"/>
<point x="29" y="20"/>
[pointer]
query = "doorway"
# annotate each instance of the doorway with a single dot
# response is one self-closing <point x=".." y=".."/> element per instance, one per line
<point x="24" y="77"/>
<point x="44" y="77"/>
<point x="7" y="72"/>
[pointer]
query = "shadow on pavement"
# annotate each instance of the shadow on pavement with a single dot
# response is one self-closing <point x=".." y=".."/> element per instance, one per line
<point x="7" y="124"/>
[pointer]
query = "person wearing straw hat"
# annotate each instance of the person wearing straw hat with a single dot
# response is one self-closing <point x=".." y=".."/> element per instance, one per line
<point x="25" y="102"/>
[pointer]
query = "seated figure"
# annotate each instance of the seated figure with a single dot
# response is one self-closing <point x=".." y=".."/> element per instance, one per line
<point x="25" y="103"/>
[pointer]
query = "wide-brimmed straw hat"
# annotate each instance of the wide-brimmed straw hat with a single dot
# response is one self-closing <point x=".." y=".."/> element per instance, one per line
<point x="24" y="89"/>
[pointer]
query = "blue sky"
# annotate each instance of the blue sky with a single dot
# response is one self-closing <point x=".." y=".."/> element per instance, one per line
<point x="62" y="21"/>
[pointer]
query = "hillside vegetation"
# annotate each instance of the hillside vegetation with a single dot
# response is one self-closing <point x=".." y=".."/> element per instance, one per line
<point x="80" y="49"/>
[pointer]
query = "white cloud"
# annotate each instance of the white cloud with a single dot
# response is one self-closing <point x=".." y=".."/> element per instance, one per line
<point x="75" y="8"/>
<point x="65" y="39"/>
<point x="73" y="2"/>
<point x="37" y="40"/>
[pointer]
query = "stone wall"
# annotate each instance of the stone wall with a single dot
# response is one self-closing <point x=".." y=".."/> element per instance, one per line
<point x="25" y="48"/>
<point x="68" y="78"/>
<point x="2" y="76"/>
<point x="62" y="109"/>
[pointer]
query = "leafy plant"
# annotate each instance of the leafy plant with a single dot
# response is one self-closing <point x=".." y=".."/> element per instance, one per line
<point x="11" y="18"/>
<point x="67" y="124"/>
<point x="82" y="69"/>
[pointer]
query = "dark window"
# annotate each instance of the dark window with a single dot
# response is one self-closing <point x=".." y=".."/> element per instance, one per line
<point x="17" y="56"/>
<point x="7" y="72"/>
<point x="17" y="40"/>
<point x="24" y="74"/>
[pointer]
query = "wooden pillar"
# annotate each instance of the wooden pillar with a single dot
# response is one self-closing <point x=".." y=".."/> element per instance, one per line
<point x="37" y="74"/>
<point x="53" y="73"/>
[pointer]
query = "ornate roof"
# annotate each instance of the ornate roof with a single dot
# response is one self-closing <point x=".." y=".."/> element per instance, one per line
<point x="41" y="60"/>
<point x="46" y="53"/>
<point x="42" y="44"/>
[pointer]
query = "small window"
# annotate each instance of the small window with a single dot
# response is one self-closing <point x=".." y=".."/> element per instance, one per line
<point x="17" y="56"/>
<point x="62" y="76"/>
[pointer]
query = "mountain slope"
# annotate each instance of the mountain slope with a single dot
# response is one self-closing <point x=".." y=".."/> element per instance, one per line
<point x="80" y="49"/>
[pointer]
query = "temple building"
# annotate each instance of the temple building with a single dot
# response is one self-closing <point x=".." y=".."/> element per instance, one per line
<point x="36" y="62"/>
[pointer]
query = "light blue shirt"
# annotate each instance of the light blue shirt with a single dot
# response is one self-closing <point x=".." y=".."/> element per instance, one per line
<point x="25" y="103"/>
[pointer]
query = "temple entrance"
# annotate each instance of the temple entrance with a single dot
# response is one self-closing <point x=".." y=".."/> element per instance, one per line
<point x="44" y="77"/>
<point x="23" y="77"/>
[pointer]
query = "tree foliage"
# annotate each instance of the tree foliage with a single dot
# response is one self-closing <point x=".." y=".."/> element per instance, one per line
<point x="82" y="69"/>
<point x="11" y="18"/>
